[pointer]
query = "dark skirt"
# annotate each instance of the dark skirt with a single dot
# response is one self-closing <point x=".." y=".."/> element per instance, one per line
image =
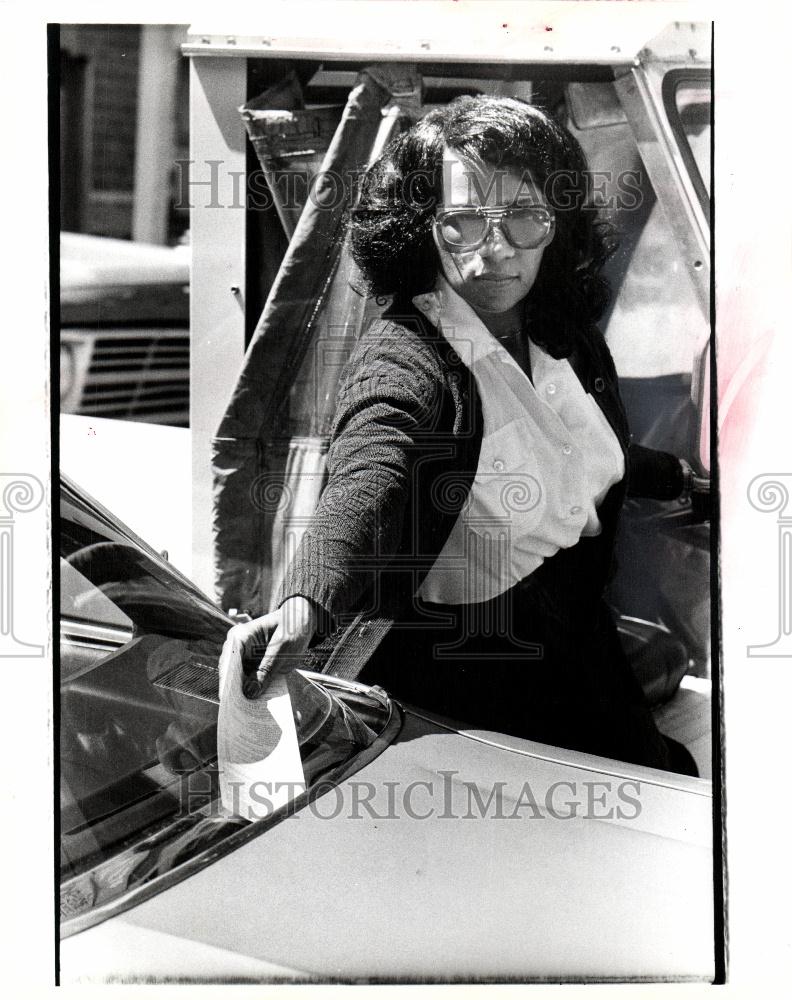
<point x="518" y="665"/>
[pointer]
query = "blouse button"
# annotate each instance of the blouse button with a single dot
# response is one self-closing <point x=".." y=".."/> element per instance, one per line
<point x="567" y="449"/>
<point x="599" y="384"/>
<point x="574" y="510"/>
<point x="551" y="388"/>
<point x="498" y="466"/>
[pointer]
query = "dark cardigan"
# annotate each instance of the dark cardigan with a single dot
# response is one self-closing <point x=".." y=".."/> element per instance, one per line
<point x="403" y="454"/>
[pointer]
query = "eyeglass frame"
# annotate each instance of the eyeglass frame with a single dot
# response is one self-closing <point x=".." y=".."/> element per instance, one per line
<point x="494" y="217"/>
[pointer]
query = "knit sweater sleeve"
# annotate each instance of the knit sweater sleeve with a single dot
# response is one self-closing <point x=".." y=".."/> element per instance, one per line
<point x="388" y="401"/>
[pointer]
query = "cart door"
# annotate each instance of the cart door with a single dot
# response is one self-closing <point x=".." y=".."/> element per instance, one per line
<point x="647" y="137"/>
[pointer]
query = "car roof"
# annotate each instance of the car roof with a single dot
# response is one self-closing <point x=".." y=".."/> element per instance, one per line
<point x="547" y="32"/>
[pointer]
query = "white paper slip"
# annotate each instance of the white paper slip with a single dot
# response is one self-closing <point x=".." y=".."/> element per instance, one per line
<point x="257" y="750"/>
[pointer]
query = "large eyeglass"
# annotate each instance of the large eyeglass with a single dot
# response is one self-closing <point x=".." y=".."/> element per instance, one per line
<point x="526" y="227"/>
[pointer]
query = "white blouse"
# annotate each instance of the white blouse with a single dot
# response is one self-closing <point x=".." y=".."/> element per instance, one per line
<point x="548" y="457"/>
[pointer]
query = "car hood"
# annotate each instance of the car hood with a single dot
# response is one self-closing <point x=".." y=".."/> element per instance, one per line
<point x="429" y="885"/>
<point x="96" y="262"/>
<point x="105" y="281"/>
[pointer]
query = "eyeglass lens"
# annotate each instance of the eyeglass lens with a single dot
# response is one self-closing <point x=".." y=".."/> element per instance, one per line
<point x="523" y="227"/>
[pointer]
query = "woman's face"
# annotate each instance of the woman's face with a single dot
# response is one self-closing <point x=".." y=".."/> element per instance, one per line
<point x="495" y="277"/>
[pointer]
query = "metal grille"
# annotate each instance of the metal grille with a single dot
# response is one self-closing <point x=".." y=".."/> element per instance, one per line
<point x="139" y="376"/>
<point x="199" y="680"/>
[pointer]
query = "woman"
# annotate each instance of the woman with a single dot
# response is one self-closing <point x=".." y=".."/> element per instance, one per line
<point x="480" y="453"/>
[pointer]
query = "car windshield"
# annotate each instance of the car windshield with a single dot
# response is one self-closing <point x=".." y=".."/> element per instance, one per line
<point x="139" y="657"/>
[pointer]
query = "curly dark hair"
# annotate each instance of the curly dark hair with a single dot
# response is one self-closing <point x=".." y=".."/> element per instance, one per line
<point x="391" y="226"/>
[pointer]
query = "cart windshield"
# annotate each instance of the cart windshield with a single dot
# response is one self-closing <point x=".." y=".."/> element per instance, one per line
<point x="138" y="715"/>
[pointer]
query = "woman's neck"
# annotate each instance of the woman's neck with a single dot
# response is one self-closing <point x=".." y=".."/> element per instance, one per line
<point x="508" y="329"/>
<point x="504" y="326"/>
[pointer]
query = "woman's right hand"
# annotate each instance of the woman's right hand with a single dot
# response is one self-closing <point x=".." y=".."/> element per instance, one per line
<point x="272" y="644"/>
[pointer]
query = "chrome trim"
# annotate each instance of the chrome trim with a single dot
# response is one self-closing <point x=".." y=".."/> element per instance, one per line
<point x="588" y="762"/>
<point x="655" y="626"/>
<point x="354" y="687"/>
<point x="96" y="636"/>
<point x="79" y="344"/>
<point x="329" y="781"/>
